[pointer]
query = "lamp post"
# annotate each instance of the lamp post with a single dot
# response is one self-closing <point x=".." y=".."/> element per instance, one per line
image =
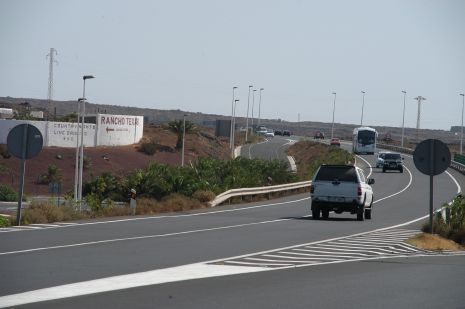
<point x="247" y="119"/>
<point x="419" y="99"/>
<point x="253" y="103"/>
<point x="461" y="127"/>
<point x="76" y="165"/>
<point x="183" y="138"/>
<point x="231" y="145"/>
<point x="334" y="109"/>
<point x="234" y="128"/>
<point x="403" y="119"/>
<point x="260" y="104"/>
<point x="81" y="159"/>
<point x="363" y="105"/>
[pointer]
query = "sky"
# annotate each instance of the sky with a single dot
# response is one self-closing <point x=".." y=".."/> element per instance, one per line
<point x="188" y="55"/>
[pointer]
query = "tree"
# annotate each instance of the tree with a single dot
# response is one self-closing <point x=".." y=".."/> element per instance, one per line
<point x="177" y="127"/>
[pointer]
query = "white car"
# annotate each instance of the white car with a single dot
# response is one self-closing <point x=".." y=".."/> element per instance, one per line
<point x="380" y="158"/>
<point x="269" y="134"/>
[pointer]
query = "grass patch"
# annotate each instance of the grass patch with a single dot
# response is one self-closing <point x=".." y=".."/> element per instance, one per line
<point x="433" y="242"/>
<point x="310" y="155"/>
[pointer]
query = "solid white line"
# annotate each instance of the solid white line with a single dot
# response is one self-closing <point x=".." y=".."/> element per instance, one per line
<point x="143" y="237"/>
<point x="399" y="192"/>
<point x="369" y="165"/>
<point x="332" y="252"/>
<point x="69" y="225"/>
<point x="159" y="276"/>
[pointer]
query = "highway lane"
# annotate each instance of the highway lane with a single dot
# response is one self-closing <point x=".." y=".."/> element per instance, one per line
<point x="271" y="148"/>
<point x="428" y="282"/>
<point x="175" y="240"/>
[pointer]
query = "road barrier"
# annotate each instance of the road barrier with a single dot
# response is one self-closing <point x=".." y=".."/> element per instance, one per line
<point x="453" y="164"/>
<point x="221" y="198"/>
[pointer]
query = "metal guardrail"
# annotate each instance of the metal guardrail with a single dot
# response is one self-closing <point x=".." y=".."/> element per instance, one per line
<point x="221" y="198"/>
<point x="453" y="164"/>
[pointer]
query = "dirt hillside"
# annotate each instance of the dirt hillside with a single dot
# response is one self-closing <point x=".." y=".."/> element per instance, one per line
<point x="119" y="160"/>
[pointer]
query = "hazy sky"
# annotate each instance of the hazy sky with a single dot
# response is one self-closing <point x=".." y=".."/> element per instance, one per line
<point x="189" y="54"/>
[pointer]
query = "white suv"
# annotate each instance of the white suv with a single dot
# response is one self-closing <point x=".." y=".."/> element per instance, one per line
<point x="341" y="188"/>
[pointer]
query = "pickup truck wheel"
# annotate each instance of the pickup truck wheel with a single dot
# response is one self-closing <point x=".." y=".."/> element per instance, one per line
<point x="368" y="213"/>
<point x="384" y="170"/>
<point x="316" y="213"/>
<point x="325" y="214"/>
<point x="401" y="170"/>
<point x="360" y="213"/>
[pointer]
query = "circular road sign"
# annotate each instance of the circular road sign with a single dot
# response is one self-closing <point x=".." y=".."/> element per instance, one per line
<point x="25" y="141"/>
<point x="431" y="157"/>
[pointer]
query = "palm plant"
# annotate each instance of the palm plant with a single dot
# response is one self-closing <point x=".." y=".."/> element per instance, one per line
<point x="177" y="127"/>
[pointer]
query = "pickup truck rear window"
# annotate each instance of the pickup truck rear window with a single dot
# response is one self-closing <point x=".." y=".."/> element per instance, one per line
<point x="392" y="156"/>
<point x="341" y="173"/>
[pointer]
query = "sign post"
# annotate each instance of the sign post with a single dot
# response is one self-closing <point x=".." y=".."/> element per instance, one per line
<point x="24" y="142"/>
<point x="431" y="157"/>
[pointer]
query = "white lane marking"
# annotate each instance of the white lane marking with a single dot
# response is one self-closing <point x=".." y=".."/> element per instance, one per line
<point x="368" y="163"/>
<point x="399" y="192"/>
<point x="159" y="276"/>
<point x="25" y="227"/>
<point x="142" y="237"/>
<point x="186" y="272"/>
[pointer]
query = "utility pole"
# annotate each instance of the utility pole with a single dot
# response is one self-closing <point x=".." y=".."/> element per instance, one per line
<point x="50" y="55"/>
<point x="419" y="99"/>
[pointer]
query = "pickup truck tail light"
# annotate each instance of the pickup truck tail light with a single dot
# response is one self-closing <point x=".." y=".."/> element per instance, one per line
<point x="359" y="190"/>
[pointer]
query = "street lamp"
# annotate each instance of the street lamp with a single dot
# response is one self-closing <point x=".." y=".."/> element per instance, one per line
<point x="419" y="99"/>
<point x="183" y="138"/>
<point x="247" y="119"/>
<point x="403" y="119"/>
<point x="232" y="115"/>
<point x="461" y="127"/>
<point x="253" y="103"/>
<point x="363" y="105"/>
<point x="334" y="109"/>
<point x="234" y="128"/>
<point x="83" y="113"/>
<point x="260" y="104"/>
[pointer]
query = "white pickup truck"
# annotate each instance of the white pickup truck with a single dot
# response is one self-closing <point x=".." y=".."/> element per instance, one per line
<point x="341" y="188"/>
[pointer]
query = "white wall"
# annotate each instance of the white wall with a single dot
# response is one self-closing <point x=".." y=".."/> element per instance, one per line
<point x="110" y="130"/>
<point x="63" y="134"/>
<point x="119" y="129"/>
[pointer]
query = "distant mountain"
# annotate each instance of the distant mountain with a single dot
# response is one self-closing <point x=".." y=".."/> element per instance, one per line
<point x="157" y="116"/>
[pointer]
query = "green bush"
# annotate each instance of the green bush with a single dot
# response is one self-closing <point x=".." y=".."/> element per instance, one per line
<point x="204" y="175"/>
<point x="7" y="194"/>
<point x="455" y="228"/>
<point x="4" y="221"/>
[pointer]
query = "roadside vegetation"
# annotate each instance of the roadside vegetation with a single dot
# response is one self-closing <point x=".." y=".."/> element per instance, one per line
<point x="310" y="155"/>
<point x="162" y="188"/>
<point x="452" y="228"/>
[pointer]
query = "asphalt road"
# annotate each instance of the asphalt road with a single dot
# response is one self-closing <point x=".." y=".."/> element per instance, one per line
<point x="187" y="260"/>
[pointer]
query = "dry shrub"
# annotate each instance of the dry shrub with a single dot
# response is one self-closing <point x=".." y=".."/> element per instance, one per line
<point x="48" y="213"/>
<point x="204" y="196"/>
<point x="179" y="202"/>
<point x="433" y="242"/>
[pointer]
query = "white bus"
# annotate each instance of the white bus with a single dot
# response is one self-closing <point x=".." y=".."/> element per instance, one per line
<point x="364" y="140"/>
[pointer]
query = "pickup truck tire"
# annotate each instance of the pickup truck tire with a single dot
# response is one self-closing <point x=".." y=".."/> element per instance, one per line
<point x="360" y="212"/>
<point x="316" y="213"/>
<point x="368" y="213"/>
<point x="325" y="214"/>
<point x="401" y="170"/>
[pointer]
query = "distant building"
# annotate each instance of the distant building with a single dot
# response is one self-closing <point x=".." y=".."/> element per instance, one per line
<point x="6" y="113"/>
<point x="37" y="114"/>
